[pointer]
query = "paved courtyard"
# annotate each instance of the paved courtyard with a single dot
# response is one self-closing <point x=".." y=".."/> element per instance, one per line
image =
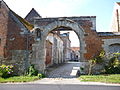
<point x="61" y="75"/>
<point x="63" y="70"/>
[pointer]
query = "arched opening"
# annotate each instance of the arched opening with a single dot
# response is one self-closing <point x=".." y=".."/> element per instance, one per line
<point x="40" y="57"/>
<point x="61" y="46"/>
<point x="114" y="48"/>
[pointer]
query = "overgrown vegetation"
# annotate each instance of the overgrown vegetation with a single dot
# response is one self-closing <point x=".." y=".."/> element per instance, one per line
<point x="32" y="71"/>
<point x="7" y="74"/>
<point x="41" y="75"/>
<point x="97" y="60"/>
<point x="113" y="78"/>
<point x="19" y="79"/>
<point x="110" y="63"/>
<point x="6" y="71"/>
<point x="113" y="64"/>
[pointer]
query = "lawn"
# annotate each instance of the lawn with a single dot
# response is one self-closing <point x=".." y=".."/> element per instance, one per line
<point x="113" y="78"/>
<point x="19" y="79"/>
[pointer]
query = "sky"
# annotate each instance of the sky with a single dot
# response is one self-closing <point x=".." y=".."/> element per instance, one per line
<point x="102" y="9"/>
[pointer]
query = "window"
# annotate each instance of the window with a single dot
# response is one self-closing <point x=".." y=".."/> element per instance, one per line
<point x="38" y="33"/>
<point x="114" y="48"/>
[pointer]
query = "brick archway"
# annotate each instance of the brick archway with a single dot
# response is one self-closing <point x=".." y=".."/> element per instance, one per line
<point x="40" y="45"/>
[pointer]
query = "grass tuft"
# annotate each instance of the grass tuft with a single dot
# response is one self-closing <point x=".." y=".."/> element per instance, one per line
<point x="19" y="79"/>
<point x="113" y="78"/>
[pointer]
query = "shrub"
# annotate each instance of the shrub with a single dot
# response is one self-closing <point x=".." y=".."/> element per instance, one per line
<point x="81" y="68"/>
<point x="32" y="71"/>
<point x="6" y="71"/>
<point x="41" y="75"/>
<point x="113" y="66"/>
<point x="96" y="60"/>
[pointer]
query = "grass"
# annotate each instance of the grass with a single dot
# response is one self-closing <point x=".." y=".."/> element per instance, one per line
<point x="19" y="79"/>
<point x="113" y="78"/>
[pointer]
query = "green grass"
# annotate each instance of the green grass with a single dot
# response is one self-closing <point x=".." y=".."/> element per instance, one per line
<point x="19" y="79"/>
<point x="113" y="78"/>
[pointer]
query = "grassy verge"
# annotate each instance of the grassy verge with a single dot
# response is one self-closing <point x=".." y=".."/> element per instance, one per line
<point x="114" y="78"/>
<point x="19" y="79"/>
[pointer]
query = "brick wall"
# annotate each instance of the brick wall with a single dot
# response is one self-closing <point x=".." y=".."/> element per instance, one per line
<point x="93" y="43"/>
<point x="3" y="28"/>
<point x="15" y="41"/>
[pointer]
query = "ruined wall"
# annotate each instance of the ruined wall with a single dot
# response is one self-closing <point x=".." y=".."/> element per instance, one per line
<point x="3" y="28"/>
<point x="88" y="23"/>
<point x="109" y="40"/>
<point x="93" y="44"/>
<point x="15" y="40"/>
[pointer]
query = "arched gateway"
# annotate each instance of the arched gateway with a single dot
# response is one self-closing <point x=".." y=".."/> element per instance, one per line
<point x="39" y="46"/>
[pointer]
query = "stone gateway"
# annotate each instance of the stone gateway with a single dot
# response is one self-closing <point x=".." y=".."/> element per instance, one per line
<point x="24" y="41"/>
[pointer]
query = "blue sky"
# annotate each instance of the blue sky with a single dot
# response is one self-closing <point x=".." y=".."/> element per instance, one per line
<point x="102" y="9"/>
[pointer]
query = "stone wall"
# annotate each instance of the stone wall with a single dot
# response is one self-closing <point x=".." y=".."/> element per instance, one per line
<point x="3" y="27"/>
<point x="93" y="43"/>
<point x="109" y="40"/>
<point x="20" y="59"/>
<point x="21" y="48"/>
<point x="88" y="23"/>
<point x="15" y="40"/>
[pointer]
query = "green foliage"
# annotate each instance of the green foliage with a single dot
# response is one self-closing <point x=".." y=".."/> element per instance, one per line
<point x="41" y="75"/>
<point x="113" y="66"/>
<point x="81" y="68"/>
<point x="113" y="78"/>
<point x="100" y="58"/>
<point x="6" y="71"/>
<point x="32" y="71"/>
<point x="96" y="60"/>
<point x="19" y="79"/>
